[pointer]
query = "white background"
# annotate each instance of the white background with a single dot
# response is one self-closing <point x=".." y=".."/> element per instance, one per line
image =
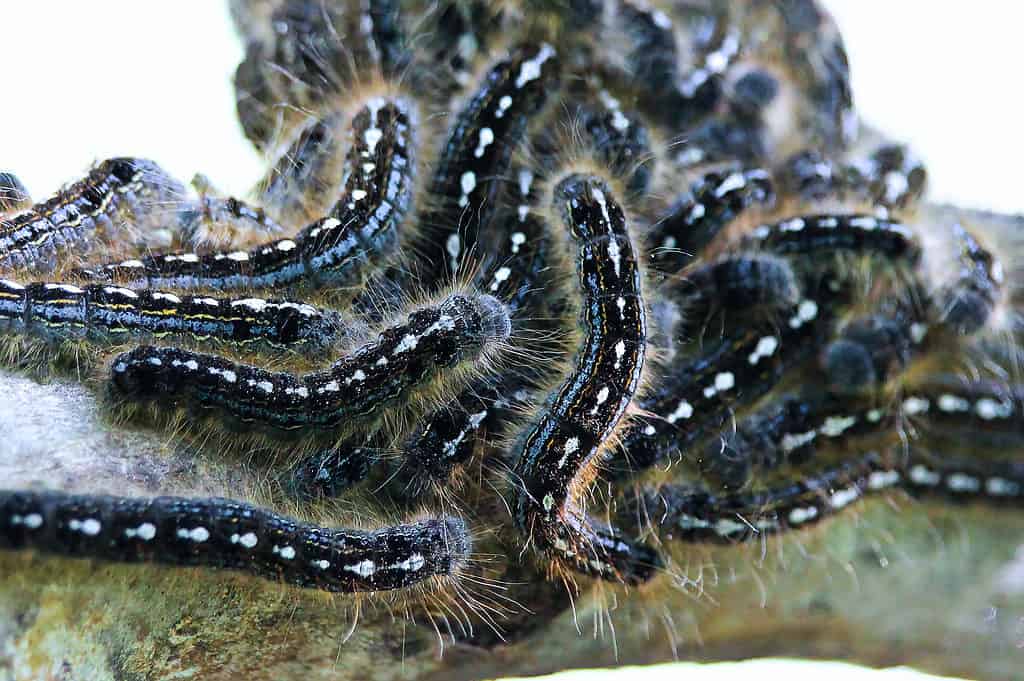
<point x="86" y="80"/>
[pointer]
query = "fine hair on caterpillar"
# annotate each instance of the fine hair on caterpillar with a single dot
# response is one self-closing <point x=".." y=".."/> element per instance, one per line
<point x="549" y="295"/>
<point x="402" y="363"/>
<point x="232" y="535"/>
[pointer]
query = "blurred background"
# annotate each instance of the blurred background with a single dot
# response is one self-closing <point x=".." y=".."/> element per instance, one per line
<point x="84" y="81"/>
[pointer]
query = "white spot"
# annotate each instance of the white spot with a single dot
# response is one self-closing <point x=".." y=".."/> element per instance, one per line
<point x="238" y="256"/>
<point x="287" y="552"/>
<point x="330" y="387"/>
<point x="359" y="375"/>
<point x="766" y="347"/>
<point x="363" y="568"/>
<point x="322" y="564"/>
<point x="619" y="120"/>
<point x="413" y="563"/>
<point x="248" y="540"/>
<point x="650" y="430"/>
<point x="917" y="332"/>
<point x="882" y="479"/>
<point x="254" y="304"/>
<point x="696" y="213"/>
<point x="731" y="183"/>
<point x="865" y="222"/>
<point x="373" y="136"/>
<point x="500" y="277"/>
<point x="725" y="381"/>
<point x="170" y="297"/>
<point x="989" y="409"/>
<point x="684" y="410"/>
<point x="226" y="374"/>
<point x="792" y="441"/>
<point x="953" y="403"/>
<point x="960" y="482"/>
<point x="828" y="223"/>
<point x="530" y="69"/>
<point x="806" y="311"/>
<point x="794" y="225"/>
<point x="145" y="531"/>
<point x="916" y="405"/>
<point x="301" y="391"/>
<point x="89" y="526"/>
<point x="548" y="502"/>
<point x="572" y="445"/>
<point x="997" y="272"/>
<point x="997" y="487"/>
<point x="835" y="426"/>
<point x="66" y="288"/>
<point x="358" y="194"/>
<point x="444" y="323"/>
<point x="265" y="386"/>
<point x="468" y="184"/>
<point x="503" y="104"/>
<point x="518" y="239"/>
<point x="32" y="521"/>
<point x="874" y="416"/>
<point x="844" y="497"/>
<point x="896" y="185"/>
<point x="196" y="534"/>
<point x="486" y="138"/>
<point x="615" y="254"/>
<point x="726" y="527"/>
<point x="408" y="342"/>
<point x="798" y="516"/>
<point x="286" y="245"/>
<point x="127" y="293"/>
<point x="920" y="475"/>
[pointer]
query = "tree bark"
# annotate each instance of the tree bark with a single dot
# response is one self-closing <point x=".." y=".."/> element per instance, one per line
<point x="897" y="581"/>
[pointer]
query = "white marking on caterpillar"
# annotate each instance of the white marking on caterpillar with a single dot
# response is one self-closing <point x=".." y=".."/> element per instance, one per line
<point x="766" y="347"/>
<point x="486" y="137"/>
<point x="530" y="69"/>
<point x="196" y="534"/>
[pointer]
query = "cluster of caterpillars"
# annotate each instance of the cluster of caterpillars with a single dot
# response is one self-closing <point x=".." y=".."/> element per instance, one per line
<point x="641" y="238"/>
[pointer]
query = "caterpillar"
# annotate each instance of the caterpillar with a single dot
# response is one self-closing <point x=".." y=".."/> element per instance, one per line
<point x="231" y="535"/>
